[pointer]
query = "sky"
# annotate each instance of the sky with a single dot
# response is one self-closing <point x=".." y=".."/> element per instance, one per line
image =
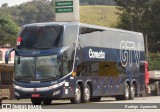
<point x="13" y="2"/>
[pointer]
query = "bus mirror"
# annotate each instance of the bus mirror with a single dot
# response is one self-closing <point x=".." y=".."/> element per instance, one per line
<point x="7" y="54"/>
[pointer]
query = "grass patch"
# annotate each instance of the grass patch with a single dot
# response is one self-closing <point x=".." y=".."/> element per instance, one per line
<point x="99" y="15"/>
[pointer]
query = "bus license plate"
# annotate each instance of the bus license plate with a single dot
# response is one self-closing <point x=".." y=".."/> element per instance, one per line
<point x="35" y="95"/>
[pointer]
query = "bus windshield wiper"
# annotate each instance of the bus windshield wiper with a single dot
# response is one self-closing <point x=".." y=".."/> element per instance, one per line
<point x="23" y="77"/>
<point x="46" y="78"/>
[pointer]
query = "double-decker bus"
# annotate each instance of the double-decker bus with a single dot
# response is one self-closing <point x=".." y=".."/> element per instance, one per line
<point x="77" y="61"/>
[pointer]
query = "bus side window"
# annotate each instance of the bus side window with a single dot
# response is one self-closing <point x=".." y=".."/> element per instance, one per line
<point x="80" y="69"/>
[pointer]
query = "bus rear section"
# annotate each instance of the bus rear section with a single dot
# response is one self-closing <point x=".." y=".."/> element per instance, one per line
<point x="109" y="62"/>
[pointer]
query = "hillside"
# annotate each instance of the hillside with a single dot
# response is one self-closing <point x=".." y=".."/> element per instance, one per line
<point x="97" y="2"/>
<point x="99" y="15"/>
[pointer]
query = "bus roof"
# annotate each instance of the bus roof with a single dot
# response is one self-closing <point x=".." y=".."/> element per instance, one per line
<point x="111" y="29"/>
<point x="83" y="25"/>
<point x="51" y="23"/>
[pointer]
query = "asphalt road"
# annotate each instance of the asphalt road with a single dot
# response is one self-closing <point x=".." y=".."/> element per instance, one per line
<point x="106" y="105"/>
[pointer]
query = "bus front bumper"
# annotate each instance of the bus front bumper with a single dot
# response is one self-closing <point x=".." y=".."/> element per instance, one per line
<point x="52" y="92"/>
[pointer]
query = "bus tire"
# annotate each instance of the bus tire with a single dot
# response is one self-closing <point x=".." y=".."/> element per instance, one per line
<point x="47" y="101"/>
<point x="157" y="89"/>
<point x="126" y="92"/>
<point x="86" y="95"/>
<point x="95" y="99"/>
<point x="77" y="95"/>
<point x="36" y="101"/>
<point x="143" y="94"/>
<point x="132" y="92"/>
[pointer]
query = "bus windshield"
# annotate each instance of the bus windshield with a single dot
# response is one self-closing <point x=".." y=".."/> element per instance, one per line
<point x="40" y="37"/>
<point x="43" y="68"/>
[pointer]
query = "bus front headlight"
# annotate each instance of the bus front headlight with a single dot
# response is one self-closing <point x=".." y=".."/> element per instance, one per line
<point x="17" y="87"/>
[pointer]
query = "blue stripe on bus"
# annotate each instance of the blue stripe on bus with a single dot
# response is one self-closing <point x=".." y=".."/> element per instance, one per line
<point x="111" y="55"/>
<point x="99" y="86"/>
<point x="110" y="81"/>
<point x="36" y="53"/>
<point x="115" y="88"/>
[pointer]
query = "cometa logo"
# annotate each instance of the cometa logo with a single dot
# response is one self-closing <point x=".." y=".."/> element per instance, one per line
<point x="95" y="54"/>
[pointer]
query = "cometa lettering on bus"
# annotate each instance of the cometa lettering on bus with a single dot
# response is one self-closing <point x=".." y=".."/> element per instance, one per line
<point x="94" y="54"/>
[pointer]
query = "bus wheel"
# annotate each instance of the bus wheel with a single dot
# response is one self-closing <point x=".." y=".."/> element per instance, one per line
<point x="77" y="95"/>
<point x="132" y="92"/>
<point x="36" y="101"/>
<point x="86" y="94"/>
<point x="96" y="99"/>
<point x="157" y="89"/>
<point x="47" y="101"/>
<point x="126" y="92"/>
<point x="143" y="94"/>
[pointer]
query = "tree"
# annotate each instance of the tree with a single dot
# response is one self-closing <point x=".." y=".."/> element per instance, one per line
<point x="154" y="61"/>
<point x="45" y="11"/>
<point x="27" y="14"/>
<point x="5" y="5"/>
<point x="8" y="31"/>
<point x="33" y="12"/>
<point x="132" y="14"/>
<point x="153" y="18"/>
<point x="137" y="15"/>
